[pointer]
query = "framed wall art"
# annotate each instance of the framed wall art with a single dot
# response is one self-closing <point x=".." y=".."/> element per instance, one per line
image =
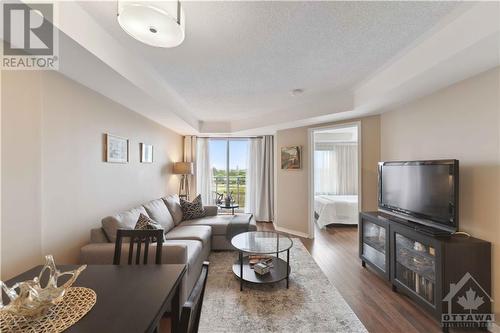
<point x="291" y="158"/>
<point x="117" y="149"/>
<point x="146" y="153"/>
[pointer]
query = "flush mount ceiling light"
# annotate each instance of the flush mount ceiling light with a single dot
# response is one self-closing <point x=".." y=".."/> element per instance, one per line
<point x="154" y="23"/>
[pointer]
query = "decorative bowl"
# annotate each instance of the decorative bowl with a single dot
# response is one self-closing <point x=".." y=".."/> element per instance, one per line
<point x="33" y="300"/>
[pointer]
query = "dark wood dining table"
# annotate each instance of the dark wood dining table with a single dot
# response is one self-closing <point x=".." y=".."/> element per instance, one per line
<point x="129" y="298"/>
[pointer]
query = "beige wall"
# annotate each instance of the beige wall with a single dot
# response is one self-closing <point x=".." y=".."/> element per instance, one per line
<point x="462" y="122"/>
<point x="292" y="197"/>
<point x="21" y="171"/>
<point x="56" y="185"/>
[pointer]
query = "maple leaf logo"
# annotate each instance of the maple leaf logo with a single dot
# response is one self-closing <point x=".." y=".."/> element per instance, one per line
<point x="470" y="301"/>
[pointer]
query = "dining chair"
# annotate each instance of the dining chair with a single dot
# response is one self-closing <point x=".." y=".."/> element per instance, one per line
<point x="191" y="310"/>
<point x="138" y="237"/>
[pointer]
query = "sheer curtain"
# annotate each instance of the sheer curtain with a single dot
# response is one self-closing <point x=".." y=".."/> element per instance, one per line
<point x="204" y="172"/>
<point x="336" y="169"/>
<point x="190" y="156"/>
<point x="259" y="199"/>
<point x="347" y="169"/>
<point x="253" y="174"/>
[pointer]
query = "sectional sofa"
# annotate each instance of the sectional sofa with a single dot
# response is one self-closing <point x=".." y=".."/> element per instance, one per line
<point x="187" y="242"/>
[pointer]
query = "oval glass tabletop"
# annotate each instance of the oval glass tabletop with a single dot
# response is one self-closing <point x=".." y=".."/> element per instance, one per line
<point x="261" y="242"/>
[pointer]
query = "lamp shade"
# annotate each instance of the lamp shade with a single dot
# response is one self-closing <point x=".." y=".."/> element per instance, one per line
<point x="155" y="23"/>
<point x="183" y="168"/>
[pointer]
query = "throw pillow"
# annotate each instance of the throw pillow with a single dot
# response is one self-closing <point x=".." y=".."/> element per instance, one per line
<point x="192" y="210"/>
<point x="145" y="223"/>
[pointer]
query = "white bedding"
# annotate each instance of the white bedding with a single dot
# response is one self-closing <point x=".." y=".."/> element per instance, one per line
<point x="336" y="209"/>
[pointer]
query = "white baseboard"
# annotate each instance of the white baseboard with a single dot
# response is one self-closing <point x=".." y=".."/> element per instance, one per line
<point x="292" y="232"/>
<point x="495" y="328"/>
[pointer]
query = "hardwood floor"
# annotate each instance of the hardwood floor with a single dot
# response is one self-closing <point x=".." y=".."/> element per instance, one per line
<point x="335" y="250"/>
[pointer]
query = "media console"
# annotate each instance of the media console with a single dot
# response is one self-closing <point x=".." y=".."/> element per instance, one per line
<point x="423" y="265"/>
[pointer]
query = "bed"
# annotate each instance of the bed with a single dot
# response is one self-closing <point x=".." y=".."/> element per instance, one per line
<point x="341" y="209"/>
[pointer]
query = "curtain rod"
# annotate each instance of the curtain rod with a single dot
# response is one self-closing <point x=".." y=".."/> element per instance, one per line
<point x="229" y="137"/>
<point x="337" y="142"/>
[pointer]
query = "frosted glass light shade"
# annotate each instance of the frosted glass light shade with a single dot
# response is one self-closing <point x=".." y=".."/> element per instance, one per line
<point x="153" y="23"/>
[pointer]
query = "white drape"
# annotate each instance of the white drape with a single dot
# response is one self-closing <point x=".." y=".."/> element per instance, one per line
<point x="253" y="174"/>
<point x="190" y="156"/>
<point x="204" y="172"/>
<point x="336" y="170"/>
<point x="259" y="199"/>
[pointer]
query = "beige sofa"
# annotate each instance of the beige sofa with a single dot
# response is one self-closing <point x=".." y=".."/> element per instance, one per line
<point x="187" y="242"/>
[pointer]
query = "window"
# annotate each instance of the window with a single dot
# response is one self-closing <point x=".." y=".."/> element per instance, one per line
<point x="229" y="166"/>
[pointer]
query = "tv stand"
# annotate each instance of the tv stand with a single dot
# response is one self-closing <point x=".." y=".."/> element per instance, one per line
<point x="425" y="229"/>
<point x="422" y="262"/>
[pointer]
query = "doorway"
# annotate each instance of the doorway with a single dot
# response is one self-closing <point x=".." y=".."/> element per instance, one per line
<point x="334" y="175"/>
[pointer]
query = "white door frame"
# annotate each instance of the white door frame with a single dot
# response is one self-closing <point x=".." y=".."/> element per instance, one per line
<point x="311" y="191"/>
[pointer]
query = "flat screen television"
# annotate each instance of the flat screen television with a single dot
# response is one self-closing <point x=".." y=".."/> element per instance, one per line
<point x="421" y="191"/>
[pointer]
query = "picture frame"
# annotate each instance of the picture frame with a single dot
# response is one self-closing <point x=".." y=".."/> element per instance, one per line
<point x="146" y="153"/>
<point x="291" y="158"/>
<point x="117" y="149"/>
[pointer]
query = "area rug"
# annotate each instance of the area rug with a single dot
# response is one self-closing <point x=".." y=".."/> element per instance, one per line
<point x="311" y="304"/>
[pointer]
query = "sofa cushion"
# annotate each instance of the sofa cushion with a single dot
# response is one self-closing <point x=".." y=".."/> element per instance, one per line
<point x="218" y="223"/>
<point x="174" y="207"/>
<point x="123" y="220"/>
<point x="196" y="254"/>
<point x="211" y="210"/>
<point x="97" y="235"/>
<point x="173" y="252"/>
<point x="158" y="211"/>
<point x="220" y="242"/>
<point x="194" y="249"/>
<point x="192" y="209"/>
<point x="202" y="233"/>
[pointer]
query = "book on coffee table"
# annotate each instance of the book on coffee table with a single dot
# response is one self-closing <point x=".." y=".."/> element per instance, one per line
<point x="256" y="259"/>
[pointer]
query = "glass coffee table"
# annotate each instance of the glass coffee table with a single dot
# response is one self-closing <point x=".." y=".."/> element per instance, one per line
<point x="231" y="206"/>
<point x="262" y="243"/>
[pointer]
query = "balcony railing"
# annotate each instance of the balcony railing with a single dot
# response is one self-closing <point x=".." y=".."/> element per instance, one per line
<point x="237" y="185"/>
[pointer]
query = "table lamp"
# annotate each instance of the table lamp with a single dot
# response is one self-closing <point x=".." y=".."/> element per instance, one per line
<point x="184" y="169"/>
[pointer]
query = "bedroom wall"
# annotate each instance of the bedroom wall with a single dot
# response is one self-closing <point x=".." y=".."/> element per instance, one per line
<point x="56" y="185"/>
<point x="291" y="198"/>
<point x="462" y="122"/>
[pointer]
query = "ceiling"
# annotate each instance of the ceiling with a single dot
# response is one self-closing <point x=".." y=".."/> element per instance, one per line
<point x="240" y="60"/>
<point x="246" y="57"/>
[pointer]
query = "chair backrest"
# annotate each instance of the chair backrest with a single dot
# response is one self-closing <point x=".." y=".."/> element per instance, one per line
<point x="138" y="237"/>
<point x="191" y="310"/>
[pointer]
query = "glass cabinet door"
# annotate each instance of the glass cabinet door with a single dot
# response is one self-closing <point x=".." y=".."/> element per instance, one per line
<point x="374" y="244"/>
<point x="416" y="266"/>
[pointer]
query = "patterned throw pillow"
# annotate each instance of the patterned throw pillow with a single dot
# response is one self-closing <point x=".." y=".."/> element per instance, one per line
<point x="192" y="210"/>
<point x="145" y="223"/>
